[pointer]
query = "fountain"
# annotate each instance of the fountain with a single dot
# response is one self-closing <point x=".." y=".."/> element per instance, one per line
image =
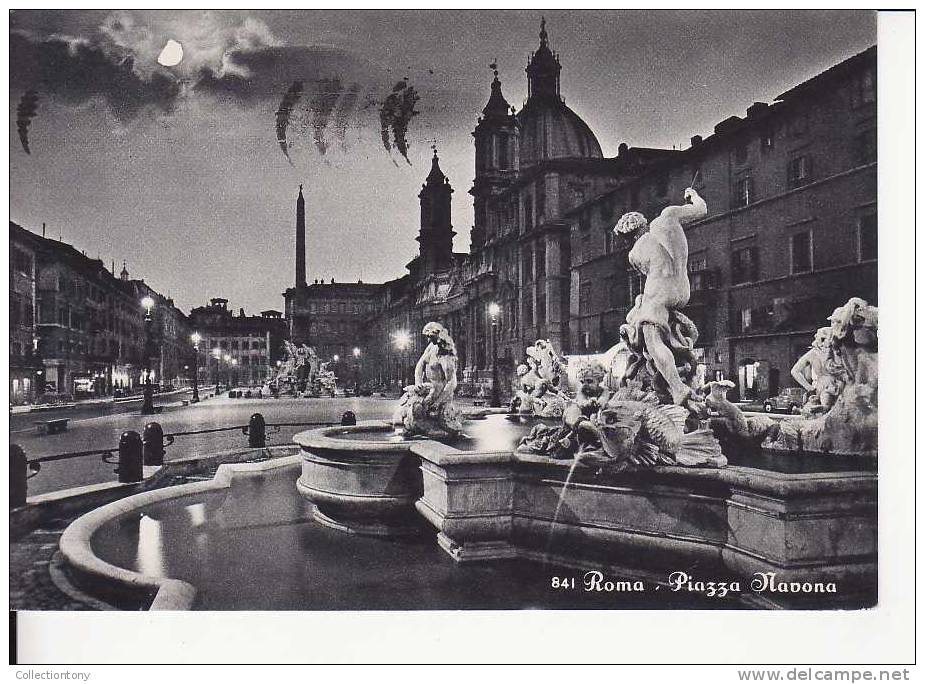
<point x="301" y="373"/>
<point x="641" y="475"/>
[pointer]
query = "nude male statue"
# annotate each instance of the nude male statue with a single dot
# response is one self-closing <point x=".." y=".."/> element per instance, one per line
<point x="660" y="253"/>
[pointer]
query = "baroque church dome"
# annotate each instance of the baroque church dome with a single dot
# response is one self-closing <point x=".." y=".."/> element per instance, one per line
<point x="548" y="128"/>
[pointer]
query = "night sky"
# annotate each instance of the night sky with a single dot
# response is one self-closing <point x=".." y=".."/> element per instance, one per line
<point x="178" y="170"/>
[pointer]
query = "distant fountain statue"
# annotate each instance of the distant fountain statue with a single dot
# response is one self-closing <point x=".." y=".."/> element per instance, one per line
<point x="298" y="371"/>
<point x="427" y="407"/>
<point x="542" y="383"/>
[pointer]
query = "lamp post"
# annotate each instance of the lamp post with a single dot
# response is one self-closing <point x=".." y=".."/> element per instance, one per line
<point x="234" y="372"/>
<point x="493" y="312"/>
<point x="356" y="370"/>
<point x="147" y="406"/>
<point x="195" y="338"/>
<point x="402" y="341"/>
<point x="227" y="360"/>
<point x="217" y="355"/>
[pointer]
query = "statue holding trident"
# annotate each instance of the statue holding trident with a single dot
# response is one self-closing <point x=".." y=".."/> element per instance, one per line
<point x="659" y="337"/>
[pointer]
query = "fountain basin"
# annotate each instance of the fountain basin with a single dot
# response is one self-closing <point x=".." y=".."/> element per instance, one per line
<point x="808" y="519"/>
<point x="361" y="479"/>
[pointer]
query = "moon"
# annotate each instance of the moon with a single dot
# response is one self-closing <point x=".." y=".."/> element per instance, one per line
<point x="171" y="55"/>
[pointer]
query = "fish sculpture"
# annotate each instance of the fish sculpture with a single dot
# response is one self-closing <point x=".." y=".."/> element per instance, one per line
<point x="631" y="430"/>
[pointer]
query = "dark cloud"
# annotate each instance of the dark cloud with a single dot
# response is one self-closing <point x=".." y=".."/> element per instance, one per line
<point x="252" y="75"/>
<point x="75" y="71"/>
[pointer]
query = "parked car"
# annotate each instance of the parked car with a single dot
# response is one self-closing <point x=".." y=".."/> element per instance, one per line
<point x="790" y="399"/>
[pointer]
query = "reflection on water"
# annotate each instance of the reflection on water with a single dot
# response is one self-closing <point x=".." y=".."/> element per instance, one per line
<point x="150" y="556"/>
<point x="305" y="566"/>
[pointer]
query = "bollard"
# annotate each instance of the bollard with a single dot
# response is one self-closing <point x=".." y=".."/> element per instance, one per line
<point x="256" y="431"/>
<point x="18" y="476"/>
<point x="153" y="445"/>
<point x="349" y="418"/>
<point x="130" y="457"/>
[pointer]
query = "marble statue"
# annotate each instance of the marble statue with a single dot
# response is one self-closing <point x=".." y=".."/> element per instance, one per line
<point x="628" y="428"/>
<point x="730" y="424"/>
<point x="642" y="411"/>
<point x="849" y="426"/>
<point x="819" y="373"/>
<point x="427" y="407"/>
<point x="298" y="371"/>
<point x="542" y="380"/>
<point x="659" y="337"/>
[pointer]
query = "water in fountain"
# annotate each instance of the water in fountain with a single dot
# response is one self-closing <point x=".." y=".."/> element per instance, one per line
<point x="555" y="516"/>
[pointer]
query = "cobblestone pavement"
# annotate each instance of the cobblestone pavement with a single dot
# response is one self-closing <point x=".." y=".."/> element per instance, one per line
<point x="31" y="586"/>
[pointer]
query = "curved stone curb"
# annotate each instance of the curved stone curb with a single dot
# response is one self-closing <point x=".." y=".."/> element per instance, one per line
<point x="168" y="593"/>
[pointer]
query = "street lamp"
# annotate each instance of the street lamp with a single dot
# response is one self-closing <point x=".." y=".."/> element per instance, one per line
<point x="234" y="372"/>
<point x="195" y="338"/>
<point x="227" y="360"/>
<point x="402" y="342"/>
<point x="217" y="355"/>
<point x="147" y="406"/>
<point x="493" y="312"/>
<point x="356" y="369"/>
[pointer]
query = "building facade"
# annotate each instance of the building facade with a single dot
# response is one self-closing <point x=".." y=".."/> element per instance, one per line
<point x="236" y="349"/>
<point x="25" y="377"/>
<point x="791" y="231"/>
<point x="791" y="234"/>
<point x="85" y="333"/>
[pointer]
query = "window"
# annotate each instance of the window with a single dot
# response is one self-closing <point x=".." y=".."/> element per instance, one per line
<point x="661" y="185"/>
<point x="798" y="125"/>
<point x="541" y="306"/>
<point x="540" y="259"/>
<point x="503" y="154"/>
<point x="798" y="172"/>
<point x="584" y="299"/>
<point x="745" y="320"/>
<point x="867" y="237"/>
<point x="864" y="89"/>
<point x="584" y="220"/>
<point x="527" y="265"/>
<point x="865" y="147"/>
<point x="801" y="252"/>
<point x="742" y="192"/>
<point x="696" y="263"/>
<point x="528" y="212"/>
<point x="741" y="153"/>
<point x="744" y="265"/>
<point x="540" y="200"/>
<point x="767" y="140"/>
<point x="528" y="309"/>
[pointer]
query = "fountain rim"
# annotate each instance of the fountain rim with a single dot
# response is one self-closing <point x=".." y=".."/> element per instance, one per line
<point x="319" y="440"/>
<point x="168" y="593"/>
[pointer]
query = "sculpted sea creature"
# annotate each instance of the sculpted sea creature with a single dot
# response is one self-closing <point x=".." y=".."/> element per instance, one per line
<point x="631" y="429"/>
<point x="731" y="421"/>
